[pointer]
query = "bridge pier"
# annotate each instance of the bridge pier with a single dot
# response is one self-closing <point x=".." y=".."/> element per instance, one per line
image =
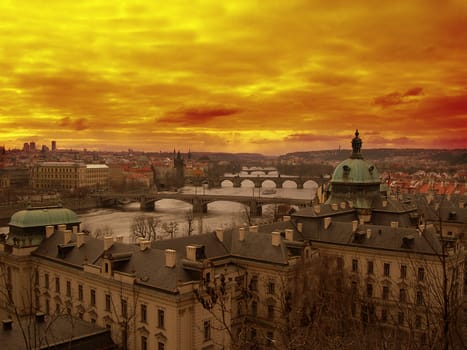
<point x="256" y="209"/>
<point x="147" y="206"/>
<point x="199" y="207"/>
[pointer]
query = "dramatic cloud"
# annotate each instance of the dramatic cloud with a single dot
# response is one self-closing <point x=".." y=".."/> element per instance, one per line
<point x="233" y="76"/>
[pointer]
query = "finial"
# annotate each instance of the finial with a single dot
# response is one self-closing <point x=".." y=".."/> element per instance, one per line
<point x="356" y="146"/>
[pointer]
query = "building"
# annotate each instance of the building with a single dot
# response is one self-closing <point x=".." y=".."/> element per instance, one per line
<point x="364" y="267"/>
<point x="67" y="176"/>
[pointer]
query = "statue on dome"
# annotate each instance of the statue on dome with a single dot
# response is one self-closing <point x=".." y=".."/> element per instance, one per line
<point x="356" y="143"/>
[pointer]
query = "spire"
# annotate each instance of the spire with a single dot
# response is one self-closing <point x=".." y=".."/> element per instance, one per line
<point x="356" y="146"/>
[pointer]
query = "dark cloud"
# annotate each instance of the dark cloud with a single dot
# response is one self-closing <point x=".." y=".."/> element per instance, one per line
<point x="396" y="98"/>
<point x="309" y="138"/>
<point x="197" y="115"/>
<point x="75" y="124"/>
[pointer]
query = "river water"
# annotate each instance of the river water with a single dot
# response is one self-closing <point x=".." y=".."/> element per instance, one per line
<point x="221" y="214"/>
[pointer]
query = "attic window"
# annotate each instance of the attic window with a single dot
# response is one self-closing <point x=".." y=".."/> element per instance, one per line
<point x="371" y="168"/>
<point x="408" y="242"/>
<point x="346" y="169"/>
<point x="452" y="215"/>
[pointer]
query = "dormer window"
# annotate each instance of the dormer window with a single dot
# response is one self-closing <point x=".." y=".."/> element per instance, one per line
<point x="346" y="169"/>
<point x="371" y="168"/>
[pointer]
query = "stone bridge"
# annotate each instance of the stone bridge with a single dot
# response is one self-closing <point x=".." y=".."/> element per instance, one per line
<point x="257" y="180"/>
<point x="199" y="202"/>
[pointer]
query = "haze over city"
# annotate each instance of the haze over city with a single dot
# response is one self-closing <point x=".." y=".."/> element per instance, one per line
<point x="241" y="76"/>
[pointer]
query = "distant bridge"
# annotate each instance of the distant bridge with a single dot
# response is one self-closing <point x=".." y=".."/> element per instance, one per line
<point x="199" y="202"/>
<point x="236" y="180"/>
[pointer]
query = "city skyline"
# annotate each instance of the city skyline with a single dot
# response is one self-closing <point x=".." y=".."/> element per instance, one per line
<point x="240" y="77"/>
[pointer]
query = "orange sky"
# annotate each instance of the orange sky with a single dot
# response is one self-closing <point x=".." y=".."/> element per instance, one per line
<point x="235" y="76"/>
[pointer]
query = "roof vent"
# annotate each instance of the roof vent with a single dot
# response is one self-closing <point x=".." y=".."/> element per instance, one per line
<point x="408" y="242"/>
<point x="220" y="234"/>
<point x="7" y="324"/>
<point x="327" y="222"/>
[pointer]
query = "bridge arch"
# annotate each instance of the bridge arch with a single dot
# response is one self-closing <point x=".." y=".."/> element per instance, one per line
<point x="227" y="183"/>
<point x="268" y="184"/>
<point x="247" y="183"/>
<point x="310" y="184"/>
<point x="289" y="184"/>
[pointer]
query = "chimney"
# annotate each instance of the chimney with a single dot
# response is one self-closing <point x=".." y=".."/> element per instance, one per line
<point x="334" y="206"/>
<point x="327" y="222"/>
<point x="354" y="226"/>
<point x="299" y="227"/>
<point x="350" y="204"/>
<point x="108" y="241"/>
<point x="289" y="234"/>
<point x="368" y="233"/>
<point x="75" y="228"/>
<point x="317" y="208"/>
<point x="461" y="204"/>
<point x="241" y="234"/>
<point x="385" y="203"/>
<point x="49" y="231"/>
<point x="61" y="227"/>
<point x="66" y="236"/>
<point x="361" y="220"/>
<point x="144" y="244"/>
<point x="276" y="238"/>
<point x="170" y="257"/>
<point x="119" y="239"/>
<point x="191" y="252"/>
<point x="343" y="205"/>
<point x="394" y="224"/>
<point x="220" y="234"/>
<point x="80" y="239"/>
<point x="254" y="228"/>
<point x="286" y="218"/>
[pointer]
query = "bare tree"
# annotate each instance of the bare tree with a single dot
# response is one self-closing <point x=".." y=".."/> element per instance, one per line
<point x="190" y="222"/>
<point x="170" y="229"/>
<point x="146" y="227"/>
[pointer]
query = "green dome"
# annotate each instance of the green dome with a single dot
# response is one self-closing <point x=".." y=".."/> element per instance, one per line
<point x="355" y="171"/>
<point x="36" y="217"/>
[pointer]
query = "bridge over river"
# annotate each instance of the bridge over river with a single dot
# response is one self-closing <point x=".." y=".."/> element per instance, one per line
<point x="198" y="201"/>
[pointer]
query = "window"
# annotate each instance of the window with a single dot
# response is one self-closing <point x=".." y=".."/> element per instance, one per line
<point x="269" y="338"/>
<point x="36" y="277"/>
<point x="271" y="287"/>
<point x="254" y="283"/>
<point x="93" y="297"/>
<point x="46" y="281"/>
<point x="80" y="292"/>
<point x="384" y="315"/>
<point x="144" y="343"/>
<point x="144" y="309"/>
<point x="57" y="308"/>
<point x="254" y="308"/>
<point x="160" y="318"/>
<point x="107" y="302"/>
<point x="354" y="288"/>
<point x="253" y="333"/>
<point x="369" y="290"/>
<point x="400" y="318"/>
<point x="419" y="298"/>
<point x="370" y="267"/>
<point x="271" y="312"/>
<point x="57" y="284"/>
<point x="403" y="271"/>
<point x="421" y="274"/>
<point x="385" y="292"/>
<point x="124" y="308"/>
<point x="402" y="295"/>
<point x="68" y="288"/>
<point x="340" y="263"/>
<point x="47" y="306"/>
<point x="207" y="330"/>
<point x="160" y="346"/>
<point x="354" y="265"/>
<point x="418" y="322"/>
<point x="387" y="269"/>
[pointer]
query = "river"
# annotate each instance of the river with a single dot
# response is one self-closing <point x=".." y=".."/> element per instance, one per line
<point x="221" y="214"/>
